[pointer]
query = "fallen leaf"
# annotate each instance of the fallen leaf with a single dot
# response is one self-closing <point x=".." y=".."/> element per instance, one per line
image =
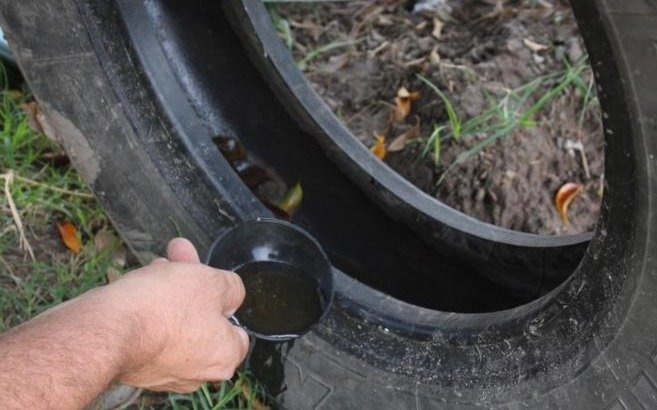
<point x="37" y="121"/>
<point x="399" y="143"/>
<point x="253" y="175"/>
<point x="534" y="46"/>
<point x="15" y="94"/>
<point x="403" y="102"/>
<point x="292" y="199"/>
<point x="255" y="404"/>
<point x="69" y="236"/>
<point x="564" y="197"/>
<point x="437" y="28"/>
<point x="31" y="109"/>
<point x="232" y="149"/>
<point x="106" y="241"/>
<point x="278" y="212"/>
<point x="379" y="147"/>
<point x="434" y="57"/>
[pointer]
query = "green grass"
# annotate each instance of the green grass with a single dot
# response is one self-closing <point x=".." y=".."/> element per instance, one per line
<point x="43" y="194"/>
<point x="282" y="27"/>
<point x="311" y="55"/>
<point x="224" y="395"/>
<point x="515" y="109"/>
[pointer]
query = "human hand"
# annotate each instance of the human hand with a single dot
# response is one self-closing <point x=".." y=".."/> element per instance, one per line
<point x="181" y="307"/>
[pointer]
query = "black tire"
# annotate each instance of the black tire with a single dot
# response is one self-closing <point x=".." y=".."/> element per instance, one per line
<point x="140" y="134"/>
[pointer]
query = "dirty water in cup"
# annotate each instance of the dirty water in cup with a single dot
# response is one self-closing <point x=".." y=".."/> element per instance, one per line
<point x="281" y="300"/>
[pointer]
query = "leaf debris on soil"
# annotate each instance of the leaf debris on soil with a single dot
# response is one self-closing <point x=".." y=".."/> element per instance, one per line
<point x="403" y="101"/>
<point x="379" y="147"/>
<point x="70" y="236"/>
<point x="485" y="65"/>
<point x="564" y="196"/>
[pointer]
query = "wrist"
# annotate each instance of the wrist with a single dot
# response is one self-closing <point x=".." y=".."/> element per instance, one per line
<point x="125" y="324"/>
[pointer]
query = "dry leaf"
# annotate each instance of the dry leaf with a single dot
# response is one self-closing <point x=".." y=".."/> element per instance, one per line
<point x="32" y="111"/>
<point x="292" y="199"/>
<point x="399" y="143"/>
<point x="434" y="57"/>
<point x="379" y="147"/>
<point x="437" y="28"/>
<point x="564" y="197"/>
<point x="403" y="102"/>
<point x="15" y="94"/>
<point x="70" y="236"/>
<point x="106" y="241"/>
<point x="37" y="121"/>
<point x="256" y="404"/>
<point x="534" y="46"/>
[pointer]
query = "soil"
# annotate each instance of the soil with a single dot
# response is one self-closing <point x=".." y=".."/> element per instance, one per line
<point x="477" y="56"/>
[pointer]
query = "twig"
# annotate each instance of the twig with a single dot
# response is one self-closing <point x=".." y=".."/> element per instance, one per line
<point x="11" y="273"/>
<point x="49" y="187"/>
<point x="23" y="243"/>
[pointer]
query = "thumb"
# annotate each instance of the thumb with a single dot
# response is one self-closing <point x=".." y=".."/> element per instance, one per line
<point x="182" y="250"/>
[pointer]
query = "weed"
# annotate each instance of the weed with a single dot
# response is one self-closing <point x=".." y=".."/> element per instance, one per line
<point x="303" y="63"/>
<point x="454" y="120"/>
<point x="243" y="392"/>
<point x="282" y="27"/>
<point x="504" y="115"/>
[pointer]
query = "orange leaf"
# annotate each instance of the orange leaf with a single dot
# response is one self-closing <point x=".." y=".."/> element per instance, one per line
<point x="564" y="197"/>
<point x="70" y="236"/>
<point x="403" y="102"/>
<point x="379" y="147"/>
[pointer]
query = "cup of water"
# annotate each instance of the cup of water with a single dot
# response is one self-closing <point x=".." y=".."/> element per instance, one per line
<point x="287" y="276"/>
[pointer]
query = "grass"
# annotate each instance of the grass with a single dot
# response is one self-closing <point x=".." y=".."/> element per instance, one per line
<point x="286" y="33"/>
<point x="515" y="109"/>
<point x="311" y="55"/>
<point x="44" y="191"/>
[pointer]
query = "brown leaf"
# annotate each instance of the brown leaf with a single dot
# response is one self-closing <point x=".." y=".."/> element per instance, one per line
<point x="278" y="212"/>
<point x="231" y="147"/>
<point x="379" y="147"/>
<point x="534" y="46"/>
<point x="434" y="57"/>
<point x="437" y="28"/>
<point x="70" y="236"/>
<point x="399" y="143"/>
<point x="292" y="199"/>
<point x="256" y="404"/>
<point x="564" y="197"/>
<point x="403" y="102"/>
<point x="32" y="111"/>
<point x="37" y="121"/>
<point x="15" y="94"/>
<point x="106" y="241"/>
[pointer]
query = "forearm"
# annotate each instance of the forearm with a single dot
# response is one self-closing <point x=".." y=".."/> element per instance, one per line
<point x="68" y="355"/>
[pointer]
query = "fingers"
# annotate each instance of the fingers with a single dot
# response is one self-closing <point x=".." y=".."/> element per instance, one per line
<point x="182" y="250"/>
<point x="242" y="341"/>
<point x="234" y="293"/>
<point x="235" y="347"/>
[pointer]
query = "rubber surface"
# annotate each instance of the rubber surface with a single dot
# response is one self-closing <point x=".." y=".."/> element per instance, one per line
<point x="590" y="343"/>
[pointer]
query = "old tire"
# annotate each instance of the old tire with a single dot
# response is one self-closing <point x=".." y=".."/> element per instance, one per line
<point x="588" y="343"/>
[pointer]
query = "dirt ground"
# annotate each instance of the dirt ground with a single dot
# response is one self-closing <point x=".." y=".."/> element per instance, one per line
<point x="476" y="54"/>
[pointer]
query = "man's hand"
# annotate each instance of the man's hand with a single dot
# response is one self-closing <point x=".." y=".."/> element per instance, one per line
<point x="161" y="327"/>
<point x="183" y="306"/>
